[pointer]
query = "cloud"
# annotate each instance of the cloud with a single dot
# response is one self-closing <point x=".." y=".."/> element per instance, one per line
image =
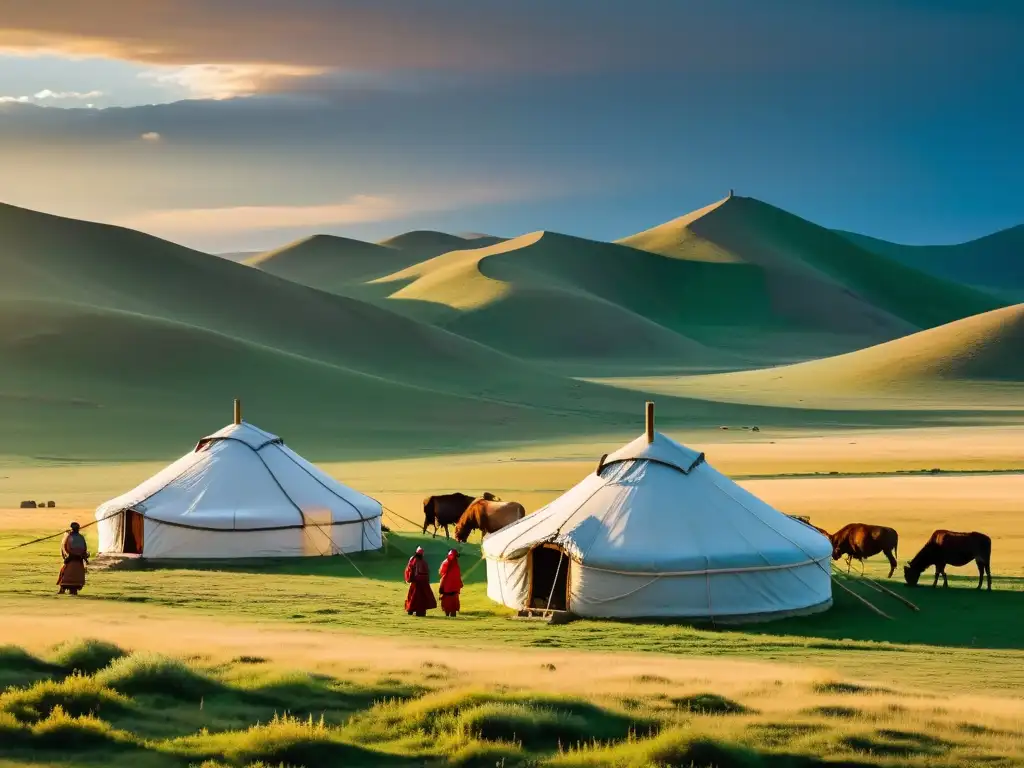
<point x="205" y="221"/>
<point x="151" y="136"/>
<point x="192" y="223"/>
<point x="46" y="93"/>
<point x="695" y="37"/>
<point x="226" y="81"/>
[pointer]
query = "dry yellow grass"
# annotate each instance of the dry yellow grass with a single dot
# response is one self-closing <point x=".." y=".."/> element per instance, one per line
<point x="537" y="473"/>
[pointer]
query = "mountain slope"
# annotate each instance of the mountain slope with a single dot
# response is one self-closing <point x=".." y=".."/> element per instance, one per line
<point x="86" y="382"/>
<point x="331" y="263"/>
<point x="60" y="275"/>
<point x="551" y="296"/>
<point x="735" y="280"/>
<point x="427" y="243"/>
<point x="976" y="358"/>
<point x="335" y="264"/>
<point x="811" y="272"/>
<point x="994" y="262"/>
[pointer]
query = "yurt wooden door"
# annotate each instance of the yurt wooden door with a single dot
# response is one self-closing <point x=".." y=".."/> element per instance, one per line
<point x="549" y="578"/>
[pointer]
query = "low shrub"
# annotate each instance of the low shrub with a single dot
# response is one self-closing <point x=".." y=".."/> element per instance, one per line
<point x="149" y="674"/>
<point x="75" y="695"/>
<point x="87" y="656"/>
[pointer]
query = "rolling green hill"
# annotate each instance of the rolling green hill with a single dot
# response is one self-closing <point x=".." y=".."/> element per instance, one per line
<point x="736" y="281"/>
<point x="331" y="263"/>
<point x="974" y="362"/>
<point x="555" y="297"/>
<point x="116" y="344"/>
<point x="335" y="264"/>
<point x="125" y="334"/>
<point x="810" y="272"/>
<point x="994" y="262"/>
<point x="428" y="243"/>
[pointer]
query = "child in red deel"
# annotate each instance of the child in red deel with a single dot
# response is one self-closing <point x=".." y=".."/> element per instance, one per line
<point x="451" y="584"/>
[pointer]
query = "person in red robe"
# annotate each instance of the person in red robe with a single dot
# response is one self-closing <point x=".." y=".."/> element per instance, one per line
<point x="420" y="598"/>
<point x="75" y="553"/>
<point x="451" y="584"/>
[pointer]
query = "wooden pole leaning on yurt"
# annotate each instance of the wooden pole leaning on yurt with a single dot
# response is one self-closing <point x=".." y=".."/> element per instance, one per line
<point x="650" y="422"/>
<point x="238" y="411"/>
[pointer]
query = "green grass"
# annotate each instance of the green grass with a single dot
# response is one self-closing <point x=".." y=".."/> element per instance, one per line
<point x="984" y="647"/>
<point x="476" y="728"/>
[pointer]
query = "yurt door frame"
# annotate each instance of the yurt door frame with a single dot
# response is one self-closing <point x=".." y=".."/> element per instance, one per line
<point x="133" y="532"/>
<point x="553" y="586"/>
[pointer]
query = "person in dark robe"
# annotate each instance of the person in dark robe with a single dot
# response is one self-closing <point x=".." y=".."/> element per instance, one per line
<point x="75" y="552"/>
<point x="450" y="584"/>
<point x="420" y="598"/>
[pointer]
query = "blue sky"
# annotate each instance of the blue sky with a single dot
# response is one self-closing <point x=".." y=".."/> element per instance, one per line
<point x="231" y="125"/>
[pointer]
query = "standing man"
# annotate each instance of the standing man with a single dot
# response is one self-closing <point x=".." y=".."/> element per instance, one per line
<point x="420" y="598"/>
<point x="451" y="584"/>
<point x="75" y="553"/>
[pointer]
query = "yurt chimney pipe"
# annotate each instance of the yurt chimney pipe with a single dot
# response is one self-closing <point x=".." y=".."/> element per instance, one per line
<point x="238" y="411"/>
<point x="650" y="422"/>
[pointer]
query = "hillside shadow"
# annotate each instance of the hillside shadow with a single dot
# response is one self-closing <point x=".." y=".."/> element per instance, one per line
<point x="387" y="564"/>
<point x="959" y="616"/>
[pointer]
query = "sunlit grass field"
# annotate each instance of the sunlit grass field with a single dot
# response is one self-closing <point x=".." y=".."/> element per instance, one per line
<point x="314" y="662"/>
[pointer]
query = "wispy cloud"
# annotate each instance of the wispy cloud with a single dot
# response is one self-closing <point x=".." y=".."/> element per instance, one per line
<point x="189" y="222"/>
<point x="46" y="93"/>
<point x="49" y="95"/>
<point x="192" y="223"/>
<point x="226" y="81"/>
<point x="151" y="136"/>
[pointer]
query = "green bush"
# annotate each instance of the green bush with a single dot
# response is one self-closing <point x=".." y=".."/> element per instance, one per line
<point x="149" y="674"/>
<point x="87" y="656"/>
<point x="75" y="695"/>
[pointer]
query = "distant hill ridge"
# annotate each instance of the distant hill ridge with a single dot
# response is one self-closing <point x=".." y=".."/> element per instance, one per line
<point x="993" y="262"/>
<point x="144" y="335"/>
<point x="738" y="276"/>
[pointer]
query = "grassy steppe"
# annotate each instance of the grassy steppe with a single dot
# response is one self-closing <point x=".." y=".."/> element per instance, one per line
<point x="99" y="705"/>
<point x="221" y="648"/>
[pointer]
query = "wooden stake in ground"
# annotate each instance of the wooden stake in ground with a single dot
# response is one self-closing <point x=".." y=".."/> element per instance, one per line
<point x="845" y="588"/>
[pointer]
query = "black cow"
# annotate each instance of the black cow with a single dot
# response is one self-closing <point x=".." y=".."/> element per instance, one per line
<point x="952" y="548"/>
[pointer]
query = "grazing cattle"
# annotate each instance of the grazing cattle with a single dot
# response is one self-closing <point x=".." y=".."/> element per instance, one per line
<point x="446" y="510"/>
<point x="951" y="548"/>
<point x="489" y="516"/>
<point x="859" y="541"/>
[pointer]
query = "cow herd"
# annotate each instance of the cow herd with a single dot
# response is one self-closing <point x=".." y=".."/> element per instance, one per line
<point x="859" y="541"/>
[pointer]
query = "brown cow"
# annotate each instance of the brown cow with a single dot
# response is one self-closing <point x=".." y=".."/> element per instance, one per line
<point x="951" y="548"/>
<point x="489" y="516"/>
<point x="859" y="541"/>
<point x="446" y="510"/>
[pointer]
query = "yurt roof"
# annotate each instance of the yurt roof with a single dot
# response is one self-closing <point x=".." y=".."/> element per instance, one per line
<point x="656" y="507"/>
<point x="242" y="478"/>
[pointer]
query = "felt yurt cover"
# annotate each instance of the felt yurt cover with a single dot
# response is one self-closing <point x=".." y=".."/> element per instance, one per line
<point x="656" y="531"/>
<point x="240" y="493"/>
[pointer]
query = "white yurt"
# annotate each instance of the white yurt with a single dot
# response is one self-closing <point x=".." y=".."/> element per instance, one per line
<point x="240" y="493"/>
<point x="656" y="532"/>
